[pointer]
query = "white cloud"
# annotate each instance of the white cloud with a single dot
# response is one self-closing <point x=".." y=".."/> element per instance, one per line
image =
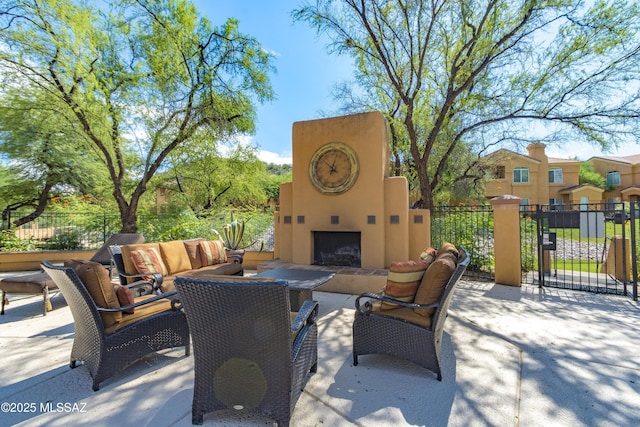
<point x="271" y="157"/>
<point x="585" y="151"/>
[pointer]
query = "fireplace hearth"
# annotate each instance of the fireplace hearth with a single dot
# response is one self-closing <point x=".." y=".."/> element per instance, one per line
<point x="336" y="248"/>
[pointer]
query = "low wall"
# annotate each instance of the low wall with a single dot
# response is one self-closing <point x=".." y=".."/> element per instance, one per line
<point x="27" y="261"/>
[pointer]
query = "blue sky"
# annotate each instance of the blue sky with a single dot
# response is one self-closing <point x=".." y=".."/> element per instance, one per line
<point x="306" y="73"/>
<point x="305" y="70"/>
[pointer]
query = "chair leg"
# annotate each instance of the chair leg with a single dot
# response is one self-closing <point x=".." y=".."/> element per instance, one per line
<point x="46" y="303"/>
<point x="355" y="359"/>
<point x="4" y="301"/>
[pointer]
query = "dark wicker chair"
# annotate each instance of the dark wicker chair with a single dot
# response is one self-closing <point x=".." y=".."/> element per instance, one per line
<point x="104" y="354"/>
<point x="249" y="354"/>
<point x="378" y="332"/>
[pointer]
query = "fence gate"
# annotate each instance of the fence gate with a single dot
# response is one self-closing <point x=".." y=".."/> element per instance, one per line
<point x="586" y="247"/>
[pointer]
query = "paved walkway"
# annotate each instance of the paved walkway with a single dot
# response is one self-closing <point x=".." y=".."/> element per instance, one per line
<point x="512" y="357"/>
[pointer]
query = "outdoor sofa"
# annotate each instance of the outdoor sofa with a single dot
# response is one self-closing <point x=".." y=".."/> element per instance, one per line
<point x="160" y="263"/>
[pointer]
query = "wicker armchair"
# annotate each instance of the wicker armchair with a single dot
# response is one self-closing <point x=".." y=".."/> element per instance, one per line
<point x="396" y="332"/>
<point x="250" y="351"/>
<point x="107" y="347"/>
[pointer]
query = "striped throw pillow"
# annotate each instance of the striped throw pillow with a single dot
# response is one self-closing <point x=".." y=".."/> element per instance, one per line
<point x="212" y="252"/>
<point x="148" y="261"/>
<point x="403" y="281"/>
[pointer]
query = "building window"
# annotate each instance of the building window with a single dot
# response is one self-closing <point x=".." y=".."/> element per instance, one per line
<point x="555" y="176"/>
<point x="498" y="172"/>
<point x="521" y="175"/>
<point x="613" y="178"/>
<point x="524" y="204"/>
<point x="555" y="204"/>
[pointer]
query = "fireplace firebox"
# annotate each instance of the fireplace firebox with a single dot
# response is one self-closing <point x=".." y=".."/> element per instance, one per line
<point x="336" y="248"/>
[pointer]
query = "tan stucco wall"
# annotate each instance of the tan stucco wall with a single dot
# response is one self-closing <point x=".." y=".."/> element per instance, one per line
<point x="506" y="215"/>
<point x="26" y="261"/>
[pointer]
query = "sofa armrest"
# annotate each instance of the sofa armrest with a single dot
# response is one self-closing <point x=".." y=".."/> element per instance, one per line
<point x="307" y="314"/>
<point x="235" y="256"/>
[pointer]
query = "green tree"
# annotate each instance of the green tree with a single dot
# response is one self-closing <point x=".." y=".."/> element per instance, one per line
<point x="44" y="158"/>
<point x="205" y="180"/>
<point x="483" y="73"/>
<point x="136" y="78"/>
<point x="588" y="175"/>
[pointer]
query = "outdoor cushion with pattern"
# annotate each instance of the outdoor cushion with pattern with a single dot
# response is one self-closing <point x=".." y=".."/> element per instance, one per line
<point x="212" y="252"/>
<point x="148" y="261"/>
<point x="97" y="281"/>
<point x="428" y="254"/>
<point x="175" y="256"/>
<point x="127" y="260"/>
<point x="402" y="281"/>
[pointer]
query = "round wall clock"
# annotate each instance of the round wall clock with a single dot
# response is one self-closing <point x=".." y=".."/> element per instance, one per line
<point x="333" y="168"/>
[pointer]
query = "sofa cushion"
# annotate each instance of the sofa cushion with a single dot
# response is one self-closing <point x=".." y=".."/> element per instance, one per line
<point x="434" y="281"/>
<point x="193" y="252"/>
<point x="125" y="297"/>
<point x="212" y="252"/>
<point x="402" y="281"/>
<point x="175" y="256"/>
<point x="141" y="312"/>
<point x="97" y="281"/>
<point x="148" y="261"/>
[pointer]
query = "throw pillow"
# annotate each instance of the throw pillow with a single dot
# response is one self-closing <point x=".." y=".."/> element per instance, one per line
<point x="193" y="251"/>
<point x="428" y="254"/>
<point x="148" y="261"/>
<point x="212" y="252"/>
<point x="402" y="281"/>
<point x="175" y="256"/>
<point x="433" y="283"/>
<point x="125" y="297"/>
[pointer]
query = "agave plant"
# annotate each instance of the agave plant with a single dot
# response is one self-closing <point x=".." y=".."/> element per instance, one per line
<point x="233" y="234"/>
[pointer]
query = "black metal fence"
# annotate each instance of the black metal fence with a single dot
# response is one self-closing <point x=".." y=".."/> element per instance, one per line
<point x="587" y="247"/>
<point x="79" y="231"/>
<point x="470" y="227"/>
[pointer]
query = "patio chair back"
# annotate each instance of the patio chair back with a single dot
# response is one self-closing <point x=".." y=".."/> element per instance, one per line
<point x="245" y="356"/>
<point x="103" y="256"/>
<point x="379" y="332"/>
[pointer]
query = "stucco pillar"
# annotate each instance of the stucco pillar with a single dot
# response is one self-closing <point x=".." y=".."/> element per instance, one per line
<point x="506" y="234"/>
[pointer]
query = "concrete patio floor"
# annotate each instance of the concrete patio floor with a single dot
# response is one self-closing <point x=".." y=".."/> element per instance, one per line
<point x="512" y="357"/>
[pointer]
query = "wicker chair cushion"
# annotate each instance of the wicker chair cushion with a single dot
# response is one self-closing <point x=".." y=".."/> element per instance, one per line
<point x="434" y="281"/>
<point x="125" y="297"/>
<point x="450" y="248"/>
<point x="193" y="252"/>
<point x="97" y="281"/>
<point x="141" y="312"/>
<point x="212" y="252"/>
<point x="175" y="256"/>
<point x="403" y="280"/>
<point x="148" y="261"/>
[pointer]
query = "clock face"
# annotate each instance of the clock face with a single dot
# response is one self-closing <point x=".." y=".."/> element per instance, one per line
<point x="333" y="168"/>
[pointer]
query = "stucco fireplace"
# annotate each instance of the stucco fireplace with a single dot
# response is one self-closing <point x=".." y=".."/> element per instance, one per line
<point x="341" y="191"/>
